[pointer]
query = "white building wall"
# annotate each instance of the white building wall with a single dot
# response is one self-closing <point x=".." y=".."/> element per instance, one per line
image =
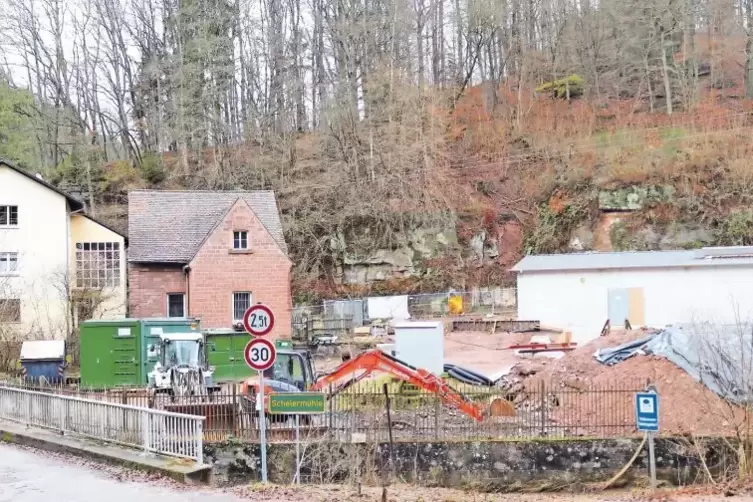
<point x="578" y="301"/>
<point x="41" y="240"/>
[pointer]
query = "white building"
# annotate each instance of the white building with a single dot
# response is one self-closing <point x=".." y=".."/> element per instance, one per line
<point x="579" y="292"/>
<point x="58" y="264"/>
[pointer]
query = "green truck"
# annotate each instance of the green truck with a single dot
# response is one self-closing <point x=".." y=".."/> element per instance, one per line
<point x="122" y="352"/>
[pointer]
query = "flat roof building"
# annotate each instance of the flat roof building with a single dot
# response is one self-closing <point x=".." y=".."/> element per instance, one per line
<point x="580" y="291"/>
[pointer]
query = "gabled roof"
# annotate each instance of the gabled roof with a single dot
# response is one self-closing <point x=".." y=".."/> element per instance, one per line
<point x="170" y="226"/>
<point x="704" y="257"/>
<point x="75" y="203"/>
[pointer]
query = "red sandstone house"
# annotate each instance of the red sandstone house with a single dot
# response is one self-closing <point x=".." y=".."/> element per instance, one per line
<point x="208" y="255"/>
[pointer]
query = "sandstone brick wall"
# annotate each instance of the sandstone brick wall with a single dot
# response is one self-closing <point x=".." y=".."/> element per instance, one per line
<point x="148" y="288"/>
<point x="218" y="271"/>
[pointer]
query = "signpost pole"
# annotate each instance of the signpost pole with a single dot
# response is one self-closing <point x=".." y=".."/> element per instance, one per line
<point x="260" y="355"/>
<point x="262" y="429"/>
<point x="651" y="459"/>
<point x="297" y="449"/>
<point x="647" y="420"/>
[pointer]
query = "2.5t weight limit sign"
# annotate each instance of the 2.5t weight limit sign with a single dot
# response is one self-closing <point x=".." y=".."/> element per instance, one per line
<point x="258" y="320"/>
<point x="260" y="354"/>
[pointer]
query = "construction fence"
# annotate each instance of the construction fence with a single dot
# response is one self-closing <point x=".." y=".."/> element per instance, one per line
<point x="360" y="413"/>
<point x="338" y="316"/>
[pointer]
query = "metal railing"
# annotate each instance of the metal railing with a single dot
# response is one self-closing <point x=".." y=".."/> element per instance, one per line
<point x="563" y="408"/>
<point x="152" y="430"/>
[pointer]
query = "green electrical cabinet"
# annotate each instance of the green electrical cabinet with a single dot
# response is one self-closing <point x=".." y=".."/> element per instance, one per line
<point x="120" y="353"/>
<point x="225" y="349"/>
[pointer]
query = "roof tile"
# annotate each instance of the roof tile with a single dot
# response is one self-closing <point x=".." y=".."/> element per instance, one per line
<point x="169" y="226"/>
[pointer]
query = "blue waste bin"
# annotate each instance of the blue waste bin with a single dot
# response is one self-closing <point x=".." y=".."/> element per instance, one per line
<point x="43" y="361"/>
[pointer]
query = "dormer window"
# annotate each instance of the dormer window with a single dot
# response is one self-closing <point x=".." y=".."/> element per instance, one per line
<point x="240" y="239"/>
<point x="8" y="216"/>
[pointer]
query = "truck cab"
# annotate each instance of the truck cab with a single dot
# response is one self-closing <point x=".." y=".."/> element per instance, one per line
<point x="179" y="352"/>
<point x="294" y="368"/>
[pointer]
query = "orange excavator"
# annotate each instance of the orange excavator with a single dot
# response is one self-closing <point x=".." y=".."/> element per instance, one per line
<point x="294" y="372"/>
<point x="368" y="362"/>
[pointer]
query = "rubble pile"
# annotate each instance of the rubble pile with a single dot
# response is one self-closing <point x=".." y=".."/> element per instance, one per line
<point x="592" y="397"/>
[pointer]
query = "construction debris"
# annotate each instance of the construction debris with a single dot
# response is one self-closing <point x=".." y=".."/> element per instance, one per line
<point x="687" y="406"/>
<point x="717" y="356"/>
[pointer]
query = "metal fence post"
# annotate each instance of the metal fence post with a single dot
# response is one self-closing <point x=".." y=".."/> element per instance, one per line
<point x="145" y="431"/>
<point x="62" y="412"/>
<point x="29" y="405"/>
<point x="200" y="440"/>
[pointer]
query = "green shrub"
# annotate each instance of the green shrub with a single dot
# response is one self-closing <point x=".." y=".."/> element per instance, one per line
<point x="559" y="87"/>
<point x="553" y="230"/>
<point x="152" y="169"/>
<point x="735" y="230"/>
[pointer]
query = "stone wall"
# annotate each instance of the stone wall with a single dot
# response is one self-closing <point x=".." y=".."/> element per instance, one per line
<point x="491" y="466"/>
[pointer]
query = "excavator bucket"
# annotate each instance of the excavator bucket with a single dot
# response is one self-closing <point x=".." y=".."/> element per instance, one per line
<point x="501" y="407"/>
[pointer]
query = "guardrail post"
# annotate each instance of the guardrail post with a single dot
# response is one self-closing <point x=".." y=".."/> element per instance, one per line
<point x="29" y="404"/>
<point x="199" y="441"/>
<point x="145" y="431"/>
<point x="62" y="412"/>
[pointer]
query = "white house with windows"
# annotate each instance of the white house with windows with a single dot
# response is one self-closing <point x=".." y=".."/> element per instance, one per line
<point x="58" y="264"/>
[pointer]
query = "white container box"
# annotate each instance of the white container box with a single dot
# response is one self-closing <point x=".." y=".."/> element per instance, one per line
<point x="420" y="344"/>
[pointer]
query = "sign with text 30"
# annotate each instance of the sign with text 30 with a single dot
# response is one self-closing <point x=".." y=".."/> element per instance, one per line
<point x="260" y="354"/>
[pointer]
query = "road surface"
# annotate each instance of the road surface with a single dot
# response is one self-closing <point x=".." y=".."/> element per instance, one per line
<point x="30" y="476"/>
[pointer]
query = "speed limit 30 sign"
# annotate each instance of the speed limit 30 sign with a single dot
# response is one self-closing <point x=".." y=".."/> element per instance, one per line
<point x="258" y="320"/>
<point x="260" y="354"/>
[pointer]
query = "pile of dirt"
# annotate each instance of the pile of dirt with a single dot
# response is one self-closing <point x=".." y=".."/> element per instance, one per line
<point x="595" y="398"/>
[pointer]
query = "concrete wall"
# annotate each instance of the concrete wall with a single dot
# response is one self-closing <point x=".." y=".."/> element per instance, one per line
<point x="492" y="466"/>
<point x="578" y="300"/>
<point x="41" y="241"/>
<point x="84" y="229"/>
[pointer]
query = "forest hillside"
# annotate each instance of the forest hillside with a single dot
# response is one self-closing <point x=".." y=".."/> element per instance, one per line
<point x="413" y="145"/>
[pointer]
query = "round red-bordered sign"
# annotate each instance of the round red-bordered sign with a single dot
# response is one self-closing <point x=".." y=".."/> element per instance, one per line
<point x="258" y="320"/>
<point x="260" y="354"/>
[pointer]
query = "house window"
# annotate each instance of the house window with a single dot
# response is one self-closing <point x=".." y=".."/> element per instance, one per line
<point x="240" y="240"/>
<point x="8" y="216"/>
<point x="176" y="305"/>
<point x="97" y="264"/>
<point x="10" y="310"/>
<point x="8" y="263"/>
<point x="241" y="303"/>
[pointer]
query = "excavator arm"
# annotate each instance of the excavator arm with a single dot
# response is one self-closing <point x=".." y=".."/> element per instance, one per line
<point x="375" y="360"/>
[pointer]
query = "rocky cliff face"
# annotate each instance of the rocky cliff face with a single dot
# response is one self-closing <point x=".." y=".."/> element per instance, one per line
<point x="627" y="221"/>
<point x="639" y="218"/>
<point x="416" y="251"/>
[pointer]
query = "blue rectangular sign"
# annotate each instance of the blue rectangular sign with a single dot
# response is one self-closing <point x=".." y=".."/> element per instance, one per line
<point x="647" y="411"/>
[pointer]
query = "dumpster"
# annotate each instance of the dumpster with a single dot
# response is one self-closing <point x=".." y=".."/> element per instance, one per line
<point x="43" y="361"/>
<point x="225" y="353"/>
<point x="122" y="352"/>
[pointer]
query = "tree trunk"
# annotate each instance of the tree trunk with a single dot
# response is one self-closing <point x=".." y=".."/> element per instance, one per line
<point x="749" y="62"/>
<point x="665" y="74"/>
